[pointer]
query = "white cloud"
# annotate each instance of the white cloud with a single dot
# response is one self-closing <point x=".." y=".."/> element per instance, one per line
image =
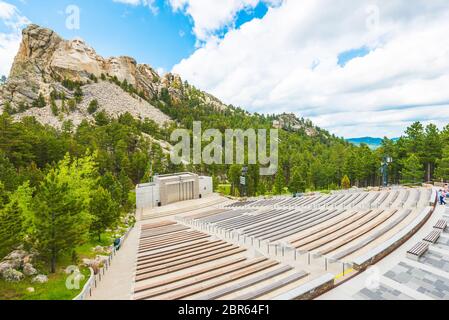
<point x="10" y="41"/>
<point x="210" y="16"/>
<point x="287" y="61"/>
<point x="148" y="3"/>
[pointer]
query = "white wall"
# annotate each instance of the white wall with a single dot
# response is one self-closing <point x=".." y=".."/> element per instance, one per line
<point x="206" y="186"/>
<point x="147" y="195"/>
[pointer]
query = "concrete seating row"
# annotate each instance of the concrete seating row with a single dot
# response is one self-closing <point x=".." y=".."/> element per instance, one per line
<point x="248" y="220"/>
<point x="321" y="236"/>
<point x="378" y="252"/>
<point x="372" y="237"/>
<point x="224" y="216"/>
<point x="357" y="233"/>
<point x="285" y="231"/>
<point x="239" y="204"/>
<point x="310" y="289"/>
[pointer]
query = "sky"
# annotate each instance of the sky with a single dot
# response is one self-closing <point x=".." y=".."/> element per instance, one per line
<point x="354" y="67"/>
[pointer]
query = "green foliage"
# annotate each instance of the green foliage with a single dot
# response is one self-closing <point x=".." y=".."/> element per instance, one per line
<point x="104" y="210"/>
<point x="234" y="174"/>
<point x="345" y="182"/>
<point x="61" y="208"/>
<point x="11" y="227"/>
<point x="442" y="170"/>
<point x="54" y="108"/>
<point x="279" y="182"/>
<point x="40" y="102"/>
<point x="72" y="105"/>
<point x="297" y="183"/>
<point x="93" y="106"/>
<point x="9" y="109"/>
<point x="102" y="118"/>
<point x="412" y="171"/>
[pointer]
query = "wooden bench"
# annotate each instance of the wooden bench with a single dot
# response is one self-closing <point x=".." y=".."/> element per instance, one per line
<point x="166" y="230"/>
<point x="273" y="286"/>
<point x="360" y="200"/>
<point x="157" y="225"/>
<point x="213" y="272"/>
<point x="417" y="250"/>
<point x="310" y="289"/>
<point x="144" y="265"/>
<point x="441" y="224"/>
<point x="164" y="237"/>
<point x="433" y="236"/>
<point x="190" y="235"/>
<point x="222" y="281"/>
<point x="192" y="258"/>
<point x="171" y="244"/>
<point x="184" y="276"/>
<point x="176" y="251"/>
<point x="245" y="284"/>
<point x="182" y="266"/>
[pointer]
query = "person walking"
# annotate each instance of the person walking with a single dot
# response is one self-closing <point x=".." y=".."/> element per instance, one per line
<point x="441" y="196"/>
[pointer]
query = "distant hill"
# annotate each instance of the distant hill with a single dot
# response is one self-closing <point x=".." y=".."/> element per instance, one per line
<point x="373" y="143"/>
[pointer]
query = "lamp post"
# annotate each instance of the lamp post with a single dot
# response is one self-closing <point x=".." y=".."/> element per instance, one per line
<point x="384" y="169"/>
<point x="243" y="181"/>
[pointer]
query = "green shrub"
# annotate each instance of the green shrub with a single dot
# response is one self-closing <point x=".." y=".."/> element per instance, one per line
<point x="93" y="106"/>
<point x="54" y="108"/>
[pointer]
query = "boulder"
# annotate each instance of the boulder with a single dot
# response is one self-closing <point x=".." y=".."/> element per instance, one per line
<point x="16" y="258"/>
<point x="29" y="270"/>
<point x="5" y="265"/>
<point x="41" y="278"/>
<point x="12" y="275"/>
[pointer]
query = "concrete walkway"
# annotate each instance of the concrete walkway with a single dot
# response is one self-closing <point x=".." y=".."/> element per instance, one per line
<point x="118" y="280"/>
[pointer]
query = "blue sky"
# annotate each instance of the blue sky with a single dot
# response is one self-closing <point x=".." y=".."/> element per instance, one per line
<point x="359" y="68"/>
<point x="160" y="39"/>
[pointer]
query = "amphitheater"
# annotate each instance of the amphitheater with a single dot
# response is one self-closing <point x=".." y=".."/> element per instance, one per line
<point x="387" y="244"/>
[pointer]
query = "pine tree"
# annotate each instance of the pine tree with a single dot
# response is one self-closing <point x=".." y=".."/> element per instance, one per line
<point x="279" y="182"/>
<point x="412" y="171"/>
<point x="61" y="218"/>
<point x="345" y="182"/>
<point x="104" y="210"/>
<point x="297" y="184"/>
<point x="234" y="177"/>
<point x="432" y="149"/>
<point x="442" y="170"/>
<point x="11" y="227"/>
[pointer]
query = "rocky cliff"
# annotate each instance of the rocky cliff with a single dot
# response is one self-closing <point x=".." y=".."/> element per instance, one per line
<point x="45" y="62"/>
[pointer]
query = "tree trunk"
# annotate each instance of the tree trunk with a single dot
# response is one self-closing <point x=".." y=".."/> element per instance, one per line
<point x="428" y="171"/>
<point x="53" y="262"/>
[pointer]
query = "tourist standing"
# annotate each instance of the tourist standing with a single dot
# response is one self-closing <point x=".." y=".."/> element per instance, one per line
<point x="441" y="196"/>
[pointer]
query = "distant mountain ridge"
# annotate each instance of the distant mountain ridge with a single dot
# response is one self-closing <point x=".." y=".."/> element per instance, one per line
<point x="372" y="142"/>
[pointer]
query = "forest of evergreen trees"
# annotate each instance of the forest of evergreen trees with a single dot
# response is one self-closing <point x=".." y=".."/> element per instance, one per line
<point x="60" y="187"/>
